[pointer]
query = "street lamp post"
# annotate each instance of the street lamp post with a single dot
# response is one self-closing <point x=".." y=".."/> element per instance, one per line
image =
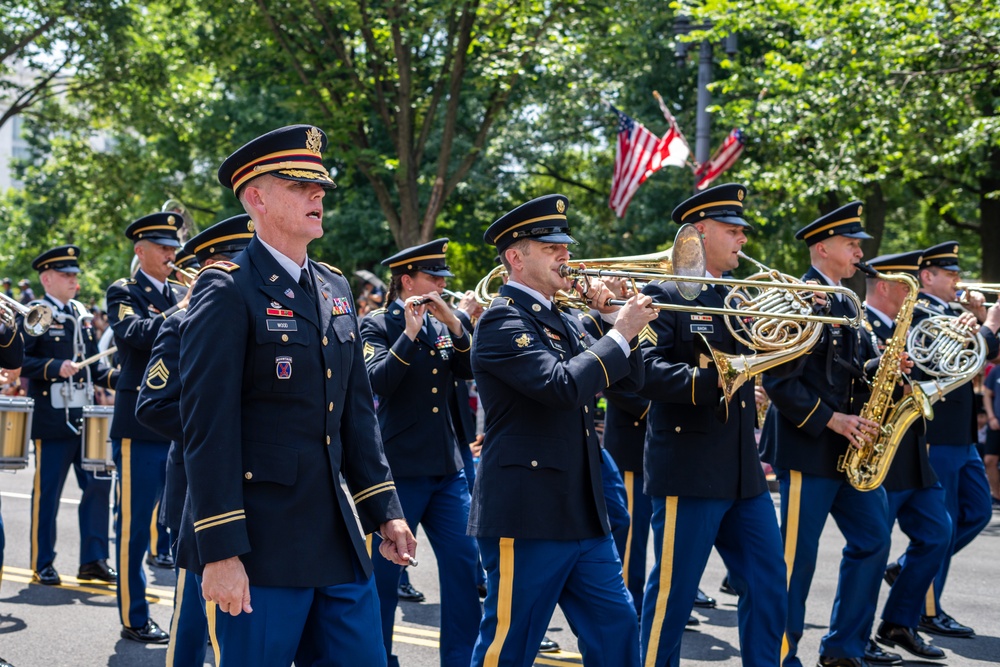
<point x="703" y="130"/>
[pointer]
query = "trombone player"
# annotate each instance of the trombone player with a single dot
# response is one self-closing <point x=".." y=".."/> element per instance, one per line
<point x="951" y="435"/>
<point x="812" y="420"/>
<point x="704" y="474"/>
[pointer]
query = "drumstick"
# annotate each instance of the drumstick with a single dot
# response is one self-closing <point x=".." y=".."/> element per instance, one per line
<point x="97" y="357"/>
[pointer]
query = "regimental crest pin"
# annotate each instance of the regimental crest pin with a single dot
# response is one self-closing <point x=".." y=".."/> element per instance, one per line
<point x="289" y="293"/>
<point x="283" y="367"/>
<point x="522" y="341"/>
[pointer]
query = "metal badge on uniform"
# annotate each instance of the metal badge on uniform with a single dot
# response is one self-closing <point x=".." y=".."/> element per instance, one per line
<point x="153" y="309"/>
<point x="280" y="312"/>
<point x="701" y="318"/>
<point x="552" y="334"/>
<point x="283" y="367"/>
<point x="289" y="293"/>
<point x="703" y="328"/>
<point x="282" y="325"/>
<point x="521" y="341"/>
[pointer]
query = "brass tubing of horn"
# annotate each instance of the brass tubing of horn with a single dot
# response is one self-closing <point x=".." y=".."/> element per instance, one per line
<point x="190" y="275"/>
<point x="733" y="312"/>
<point x="37" y="318"/>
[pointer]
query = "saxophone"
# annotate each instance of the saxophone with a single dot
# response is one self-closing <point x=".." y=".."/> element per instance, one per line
<point x="867" y="466"/>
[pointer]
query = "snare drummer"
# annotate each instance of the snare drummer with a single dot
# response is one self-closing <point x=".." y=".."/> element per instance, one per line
<point x="60" y="389"/>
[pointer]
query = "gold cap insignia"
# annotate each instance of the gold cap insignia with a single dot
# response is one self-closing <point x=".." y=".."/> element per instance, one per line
<point x="955" y="250"/>
<point x="740" y="194"/>
<point x="250" y="226"/>
<point x="859" y="209"/>
<point x="314" y="140"/>
<point x="515" y="235"/>
<point x="444" y="248"/>
<point x="560" y="206"/>
<point x="71" y="252"/>
<point x="171" y="220"/>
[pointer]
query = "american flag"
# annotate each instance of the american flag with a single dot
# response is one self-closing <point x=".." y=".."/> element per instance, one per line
<point x="724" y="158"/>
<point x="639" y="154"/>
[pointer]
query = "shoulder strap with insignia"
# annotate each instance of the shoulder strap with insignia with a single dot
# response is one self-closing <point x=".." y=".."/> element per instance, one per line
<point x="127" y="281"/>
<point x="377" y="311"/>
<point x="332" y="268"/>
<point x="867" y="325"/>
<point x="500" y="301"/>
<point x="228" y="267"/>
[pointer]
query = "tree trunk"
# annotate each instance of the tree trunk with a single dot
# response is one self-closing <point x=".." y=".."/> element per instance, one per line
<point x="989" y="218"/>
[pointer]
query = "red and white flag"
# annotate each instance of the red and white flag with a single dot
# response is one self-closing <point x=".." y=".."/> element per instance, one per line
<point x="724" y="158"/>
<point x="639" y="154"/>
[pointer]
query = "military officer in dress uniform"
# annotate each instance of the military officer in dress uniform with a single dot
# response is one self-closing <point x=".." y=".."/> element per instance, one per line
<point x="702" y="471"/>
<point x="915" y="497"/>
<point x="137" y="309"/>
<point x="11" y="356"/>
<point x="414" y="350"/>
<point x="159" y="408"/>
<point x="951" y="435"/>
<point x="538" y="507"/>
<point x="812" y="420"/>
<point x="276" y="406"/>
<point x="59" y="388"/>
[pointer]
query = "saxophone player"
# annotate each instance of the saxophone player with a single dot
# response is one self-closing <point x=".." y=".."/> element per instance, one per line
<point x="915" y="496"/>
<point x="812" y="420"/>
<point x="951" y="435"/>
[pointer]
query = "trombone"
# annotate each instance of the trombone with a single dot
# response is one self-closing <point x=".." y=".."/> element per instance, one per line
<point x="37" y="318"/>
<point x="965" y="288"/>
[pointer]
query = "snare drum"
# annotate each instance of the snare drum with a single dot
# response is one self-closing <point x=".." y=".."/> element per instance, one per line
<point x="96" y="438"/>
<point x="15" y="431"/>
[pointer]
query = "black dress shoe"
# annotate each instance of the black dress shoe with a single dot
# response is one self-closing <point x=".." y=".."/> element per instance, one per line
<point x="4" y="663"/>
<point x="47" y="576"/>
<point x="98" y="570"/>
<point x="692" y="621"/>
<point x="893" y="635"/>
<point x="876" y="656"/>
<point x="943" y="624"/>
<point x="409" y="593"/>
<point x="702" y="600"/>
<point x="147" y="634"/>
<point x="548" y="646"/>
<point x="826" y="661"/>
<point x="726" y="588"/>
<point x="892" y="571"/>
<point x="164" y="561"/>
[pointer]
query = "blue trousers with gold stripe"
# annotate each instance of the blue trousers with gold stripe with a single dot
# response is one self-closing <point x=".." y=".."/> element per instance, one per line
<point x="863" y="520"/>
<point x="633" y="551"/>
<point x="141" y="473"/>
<point x="962" y="474"/>
<point x="745" y="532"/>
<point x="923" y="518"/>
<point x="616" y="500"/>
<point x="53" y="459"/>
<point x="188" y="626"/>
<point x="333" y="626"/>
<point x="527" y="578"/>
<point x="441" y="506"/>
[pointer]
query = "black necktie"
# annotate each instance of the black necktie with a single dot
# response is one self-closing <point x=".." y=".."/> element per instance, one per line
<point x="168" y="294"/>
<point x="305" y="282"/>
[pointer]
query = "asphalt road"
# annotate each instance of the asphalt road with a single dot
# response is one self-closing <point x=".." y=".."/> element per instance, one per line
<point x="77" y="624"/>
